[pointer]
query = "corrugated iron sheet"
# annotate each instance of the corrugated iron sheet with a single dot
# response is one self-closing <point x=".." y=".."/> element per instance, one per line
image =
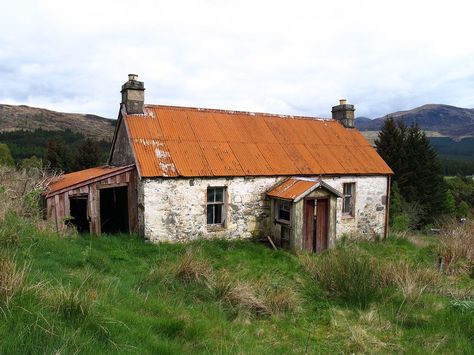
<point x="71" y="179"/>
<point x="180" y="141"/>
<point x="292" y="188"/>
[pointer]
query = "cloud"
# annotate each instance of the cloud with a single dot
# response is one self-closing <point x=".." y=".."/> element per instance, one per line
<point x="295" y="57"/>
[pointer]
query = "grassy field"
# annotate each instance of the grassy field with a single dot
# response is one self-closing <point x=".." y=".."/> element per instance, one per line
<point x="81" y="294"/>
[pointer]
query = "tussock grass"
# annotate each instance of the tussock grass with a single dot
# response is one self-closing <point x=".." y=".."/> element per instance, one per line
<point x="191" y="268"/>
<point x="12" y="278"/>
<point x="456" y="248"/>
<point x="363" y="332"/>
<point x="347" y="274"/>
<point x="412" y="280"/>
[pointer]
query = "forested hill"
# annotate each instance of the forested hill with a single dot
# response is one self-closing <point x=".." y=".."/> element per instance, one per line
<point x="25" y="118"/>
<point x="450" y="121"/>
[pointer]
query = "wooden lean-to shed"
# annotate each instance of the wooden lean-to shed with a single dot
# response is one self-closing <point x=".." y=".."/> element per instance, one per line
<point x="97" y="200"/>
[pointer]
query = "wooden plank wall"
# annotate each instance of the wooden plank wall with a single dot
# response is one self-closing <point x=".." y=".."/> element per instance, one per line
<point x="58" y="207"/>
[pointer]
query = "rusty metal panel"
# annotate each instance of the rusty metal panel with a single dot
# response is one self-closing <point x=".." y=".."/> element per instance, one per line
<point x="174" y="141"/>
<point x="189" y="159"/>
<point x="231" y="126"/>
<point x="346" y="158"/>
<point x="303" y="159"/>
<point x="326" y="159"/>
<point x="175" y="125"/>
<point x="278" y="160"/>
<point x="291" y="188"/>
<point x="82" y="176"/>
<point x="205" y="127"/>
<point x="221" y="159"/>
<point x="250" y="159"/>
<point x="305" y="131"/>
<point x="281" y="129"/>
<point x="257" y="129"/>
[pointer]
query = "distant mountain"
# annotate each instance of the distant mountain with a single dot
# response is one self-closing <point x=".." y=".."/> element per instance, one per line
<point x="447" y="120"/>
<point x="16" y="118"/>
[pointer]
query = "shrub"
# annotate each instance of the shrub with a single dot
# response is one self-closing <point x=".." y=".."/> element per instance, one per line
<point x="12" y="278"/>
<point x="346" y="274"/>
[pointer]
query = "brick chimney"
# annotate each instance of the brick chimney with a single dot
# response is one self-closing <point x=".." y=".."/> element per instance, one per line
<point x="133" y="95"/>
<point x="344" y="114"/>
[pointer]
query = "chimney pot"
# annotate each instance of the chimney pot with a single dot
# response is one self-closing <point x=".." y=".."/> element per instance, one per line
<point x="132" y="77"/>
<point x="342" y="102"/>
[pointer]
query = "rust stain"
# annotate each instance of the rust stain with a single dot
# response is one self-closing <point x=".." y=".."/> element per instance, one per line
<point x="77" y="177"/>
<point x="292" y="188"/>
<point x="181" y="141"/>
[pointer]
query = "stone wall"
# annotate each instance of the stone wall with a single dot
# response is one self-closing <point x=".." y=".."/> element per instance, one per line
<point x="175" y="209"/>
<point x="370" y="205"/>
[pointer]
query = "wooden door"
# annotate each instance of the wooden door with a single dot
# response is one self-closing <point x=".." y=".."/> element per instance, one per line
<point x="322" y="224"/>
<point x="308" y="241"/>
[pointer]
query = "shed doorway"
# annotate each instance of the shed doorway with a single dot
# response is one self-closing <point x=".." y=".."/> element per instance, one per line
<point x="114" y="210"/>
<point x="316" y="217"/>
<point x="78" y="213"/>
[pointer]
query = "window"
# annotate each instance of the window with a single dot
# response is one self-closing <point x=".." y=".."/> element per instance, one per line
<point x="348" y="203"/>
<point x="215" y="205"/>
<point x="283" y="211"/>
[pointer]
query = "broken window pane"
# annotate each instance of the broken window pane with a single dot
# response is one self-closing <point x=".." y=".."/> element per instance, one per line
<point x="283" y="210"/>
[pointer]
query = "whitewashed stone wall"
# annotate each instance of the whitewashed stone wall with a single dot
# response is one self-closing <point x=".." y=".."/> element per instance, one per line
<point x="370" y="199"/>
<point x="175" y="209"/>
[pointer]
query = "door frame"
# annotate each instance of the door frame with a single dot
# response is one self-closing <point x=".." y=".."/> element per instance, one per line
<point x="314" y="237"/>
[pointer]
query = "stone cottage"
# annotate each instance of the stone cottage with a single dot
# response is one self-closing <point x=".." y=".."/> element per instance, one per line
<point x="181" y="173"/>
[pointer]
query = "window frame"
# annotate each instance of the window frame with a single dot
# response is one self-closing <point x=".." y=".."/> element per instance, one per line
<point x="222" y="204"/>
<point x="352" y="197"/>
<point x="278" y="204"/>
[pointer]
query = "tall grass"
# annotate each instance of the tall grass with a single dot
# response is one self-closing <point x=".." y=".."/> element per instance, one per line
<point x="346" y="274"/>
<point x="12" y="278"/>
<point x="456" y="248"/>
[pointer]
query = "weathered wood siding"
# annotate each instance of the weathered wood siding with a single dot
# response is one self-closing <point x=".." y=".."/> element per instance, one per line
<point x="58" y="207"/>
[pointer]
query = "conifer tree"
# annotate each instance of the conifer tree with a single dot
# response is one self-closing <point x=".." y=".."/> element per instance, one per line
<point x="418" y="172"/>
<point x="87" y="155"/>
<point x="58" y="156"/>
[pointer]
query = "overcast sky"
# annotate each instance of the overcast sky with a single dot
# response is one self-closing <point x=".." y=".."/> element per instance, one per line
<point x="294" y="57"/>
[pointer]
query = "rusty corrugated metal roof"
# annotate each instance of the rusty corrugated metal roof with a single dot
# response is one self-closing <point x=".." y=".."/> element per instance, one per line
<point x="190" y="142"/>
<point x="296" y="188"/>
<point x="68" y="180"/>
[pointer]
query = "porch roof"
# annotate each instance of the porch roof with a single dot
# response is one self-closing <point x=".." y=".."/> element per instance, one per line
<point x="296" y="188"/>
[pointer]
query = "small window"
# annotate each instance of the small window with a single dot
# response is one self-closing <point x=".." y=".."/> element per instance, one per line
<point x="215" y="205"/>
<point x="283" y="210"/>
<point x="348" y="204"/>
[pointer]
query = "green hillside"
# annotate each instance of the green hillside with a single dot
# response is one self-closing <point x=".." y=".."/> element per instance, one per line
<point x="79" y="294"/>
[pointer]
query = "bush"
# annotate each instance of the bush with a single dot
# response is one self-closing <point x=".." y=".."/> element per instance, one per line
<point x="346" y="274"/>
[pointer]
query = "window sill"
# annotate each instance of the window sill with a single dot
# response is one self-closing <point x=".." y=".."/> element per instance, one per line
<point x="347" y="216"/>
<point x="215" y="227"/>
<point x="282" y="221"/>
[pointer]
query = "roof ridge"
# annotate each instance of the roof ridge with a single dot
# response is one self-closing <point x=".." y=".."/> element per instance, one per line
<point x="239" y="112"/>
